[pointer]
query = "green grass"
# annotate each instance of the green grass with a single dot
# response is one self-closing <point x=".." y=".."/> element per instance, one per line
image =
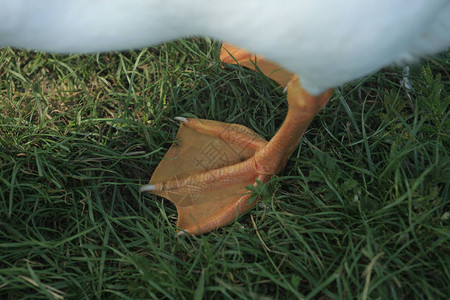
<point x="361" y="210"/>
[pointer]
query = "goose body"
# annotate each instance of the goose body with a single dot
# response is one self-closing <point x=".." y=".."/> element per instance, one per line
<point x="326" y="43"/>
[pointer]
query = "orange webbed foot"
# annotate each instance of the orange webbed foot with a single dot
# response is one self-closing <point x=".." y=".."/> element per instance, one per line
<point x="206" y="171"/>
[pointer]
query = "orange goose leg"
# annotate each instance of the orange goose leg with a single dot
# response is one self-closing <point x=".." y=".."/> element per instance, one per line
<point x="206" y="171"/>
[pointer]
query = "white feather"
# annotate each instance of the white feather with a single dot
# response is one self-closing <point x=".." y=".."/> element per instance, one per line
<point x="327" y="42"/>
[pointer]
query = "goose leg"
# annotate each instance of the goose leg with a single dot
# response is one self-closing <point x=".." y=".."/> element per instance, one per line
<point x="205" y="173"/>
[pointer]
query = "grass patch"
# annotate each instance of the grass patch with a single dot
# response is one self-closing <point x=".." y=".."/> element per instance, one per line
<point x="361" y="210"/>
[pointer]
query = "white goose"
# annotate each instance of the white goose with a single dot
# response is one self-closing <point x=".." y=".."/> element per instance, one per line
<point x="326" y="43"/>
